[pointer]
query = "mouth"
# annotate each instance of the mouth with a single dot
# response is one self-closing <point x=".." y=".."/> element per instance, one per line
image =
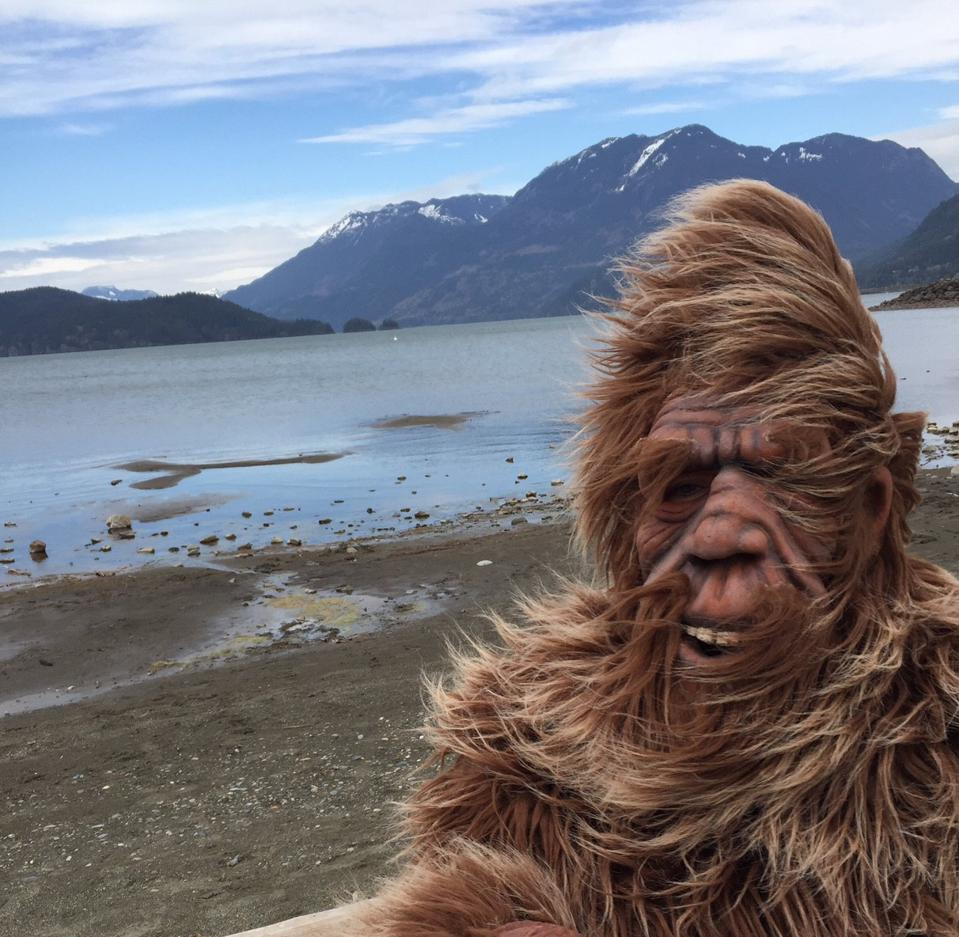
<point x="700" y="643"/>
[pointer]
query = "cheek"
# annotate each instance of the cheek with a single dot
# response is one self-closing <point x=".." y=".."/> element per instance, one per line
<point x="655" y="536"/>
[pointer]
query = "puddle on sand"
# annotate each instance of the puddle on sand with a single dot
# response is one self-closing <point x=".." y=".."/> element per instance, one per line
<point x="277" y="614"/>
<point x="288" y="616"/>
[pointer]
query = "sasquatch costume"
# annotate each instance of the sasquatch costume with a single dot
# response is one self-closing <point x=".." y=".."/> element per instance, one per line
<point x="747" y="727"/>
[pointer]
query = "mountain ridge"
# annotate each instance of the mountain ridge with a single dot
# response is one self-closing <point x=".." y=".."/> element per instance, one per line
<point x="540" y="251"/>
<point x="930" y="252"/>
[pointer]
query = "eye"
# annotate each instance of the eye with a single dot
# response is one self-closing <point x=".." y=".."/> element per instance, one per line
<point x="686" y="490"/>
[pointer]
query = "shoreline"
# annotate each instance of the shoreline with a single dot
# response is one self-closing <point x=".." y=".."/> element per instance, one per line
<point x="238" y="792"/>
<point x="254" y="602"/>
<point x="893" y="305"/>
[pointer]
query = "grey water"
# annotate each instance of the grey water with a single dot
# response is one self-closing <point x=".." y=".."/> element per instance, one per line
<point x="68" y="421"/>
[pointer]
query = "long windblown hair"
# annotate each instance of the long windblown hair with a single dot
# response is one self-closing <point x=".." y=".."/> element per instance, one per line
<point x="808" y="786"/>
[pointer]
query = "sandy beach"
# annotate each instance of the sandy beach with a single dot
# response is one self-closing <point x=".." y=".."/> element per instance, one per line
<point x="227" y="740"/>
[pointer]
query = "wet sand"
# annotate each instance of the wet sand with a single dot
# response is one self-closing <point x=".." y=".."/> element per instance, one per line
<point x="205" y="799"/>
<point x="439" y="420"/>
<point x="174" y="472"/>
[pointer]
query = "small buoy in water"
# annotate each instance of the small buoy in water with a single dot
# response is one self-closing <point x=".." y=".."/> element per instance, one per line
<point x="395" y="339"/>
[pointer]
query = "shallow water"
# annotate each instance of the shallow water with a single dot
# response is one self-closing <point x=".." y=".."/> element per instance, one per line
<point x="69" y="420"/>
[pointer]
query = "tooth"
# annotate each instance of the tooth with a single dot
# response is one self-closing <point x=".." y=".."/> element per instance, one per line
<point x="709" y="636"/>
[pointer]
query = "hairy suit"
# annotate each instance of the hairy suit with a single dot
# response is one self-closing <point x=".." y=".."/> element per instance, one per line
<point x="747" y="726"/>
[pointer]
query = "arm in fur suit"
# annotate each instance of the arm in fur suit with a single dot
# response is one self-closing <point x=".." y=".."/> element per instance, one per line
<point x="469" y="890"/>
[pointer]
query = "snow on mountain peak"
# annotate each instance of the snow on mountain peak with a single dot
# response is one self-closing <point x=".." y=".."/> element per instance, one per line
<point x="433" y="211"/>
<point x="648" y="152"/>
<point x="115" y="294"/>
<point x="353" y="221"/>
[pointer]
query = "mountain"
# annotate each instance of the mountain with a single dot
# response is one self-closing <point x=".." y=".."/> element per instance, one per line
<point x="542" y="251"/>
<point x="111" y="292"/>
<point x="369" y="261"/>
<point x="44" y="319"/>
<point x="931" y="252"/>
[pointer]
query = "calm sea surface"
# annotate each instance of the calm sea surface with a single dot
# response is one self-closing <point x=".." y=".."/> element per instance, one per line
<point x="68" y="421"/>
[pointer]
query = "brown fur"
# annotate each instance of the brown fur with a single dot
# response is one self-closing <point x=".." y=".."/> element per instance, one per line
<point x="809" y="787"/>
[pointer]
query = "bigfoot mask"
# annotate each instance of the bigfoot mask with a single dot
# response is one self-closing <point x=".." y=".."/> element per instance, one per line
<point x="720" y="521"/>
<point x="749" y="725"/>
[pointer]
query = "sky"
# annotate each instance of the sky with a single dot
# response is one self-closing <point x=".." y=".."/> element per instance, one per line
<point x="195" y="144"/>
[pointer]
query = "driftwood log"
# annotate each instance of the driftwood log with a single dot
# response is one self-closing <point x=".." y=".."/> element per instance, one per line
<point x="338" y="922"/>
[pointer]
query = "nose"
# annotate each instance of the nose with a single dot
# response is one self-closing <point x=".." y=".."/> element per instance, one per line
<point x="726" y="528"/>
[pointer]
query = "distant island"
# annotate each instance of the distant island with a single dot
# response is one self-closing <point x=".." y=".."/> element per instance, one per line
<point x="942" y="293"/>
<point x="46" y="320"/>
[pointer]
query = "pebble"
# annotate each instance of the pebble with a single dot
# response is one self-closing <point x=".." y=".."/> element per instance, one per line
<point x="146" y="550"/>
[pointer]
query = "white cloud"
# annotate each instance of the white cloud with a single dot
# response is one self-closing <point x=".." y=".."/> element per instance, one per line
<point x="82" y="130"/>
<point x="64" y="56"/>
<point x="664" y="107"/>
<point x="59" y="55"/>
<point x="179" y="260"/>
<point x="417" y="130"/>
<point x="33" y="267"/>
<point x="830" y="39"/>
<point x="217" y="248"/>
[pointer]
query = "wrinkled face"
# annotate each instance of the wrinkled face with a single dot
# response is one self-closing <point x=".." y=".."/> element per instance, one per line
<point x="721" y="523"/>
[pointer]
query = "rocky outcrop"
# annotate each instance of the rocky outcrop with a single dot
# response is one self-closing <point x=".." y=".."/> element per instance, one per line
<point x="940" y="294"/>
